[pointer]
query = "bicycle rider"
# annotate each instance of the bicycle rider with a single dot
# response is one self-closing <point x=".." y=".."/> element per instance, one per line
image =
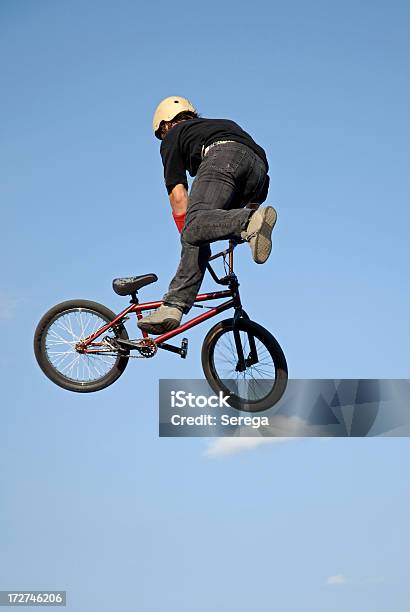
<point x="230" y="172"/>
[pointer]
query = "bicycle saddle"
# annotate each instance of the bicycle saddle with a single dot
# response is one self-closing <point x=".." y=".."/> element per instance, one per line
<point x="127" y="286"/>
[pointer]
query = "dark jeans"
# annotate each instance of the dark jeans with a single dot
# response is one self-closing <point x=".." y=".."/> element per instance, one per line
<point x="230" y="176"/>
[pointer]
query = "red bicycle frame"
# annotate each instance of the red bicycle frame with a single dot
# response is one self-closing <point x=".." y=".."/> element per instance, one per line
<point x="234" y="302"/>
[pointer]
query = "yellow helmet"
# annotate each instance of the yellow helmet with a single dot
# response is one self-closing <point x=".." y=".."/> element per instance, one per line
<point x="170" y="108"/>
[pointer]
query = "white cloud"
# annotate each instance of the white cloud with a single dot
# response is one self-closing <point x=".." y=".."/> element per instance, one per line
<point x="222" y="447"/>
<point x="280" y="424"/>
<point x="8" y="307"/>
<point x="337" y="579"/>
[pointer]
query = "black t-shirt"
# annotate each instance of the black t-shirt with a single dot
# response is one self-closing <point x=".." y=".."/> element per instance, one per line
<point x="182" y="146"/>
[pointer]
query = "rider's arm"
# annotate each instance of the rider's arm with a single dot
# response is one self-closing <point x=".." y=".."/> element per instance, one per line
<point x="175" y="176"/>
<point x="178" y="198"/>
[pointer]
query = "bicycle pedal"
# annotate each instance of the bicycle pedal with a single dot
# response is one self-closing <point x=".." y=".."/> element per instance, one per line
<point x="184" y="348"/>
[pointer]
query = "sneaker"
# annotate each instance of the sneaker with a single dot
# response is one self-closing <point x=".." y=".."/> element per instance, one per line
<point x="258" y="233"/>
<point x="165" y="318"/>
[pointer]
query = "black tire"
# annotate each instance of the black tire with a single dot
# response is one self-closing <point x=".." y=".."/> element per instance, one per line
<point x="119" y="362"/>
<point x="277" y="384"/>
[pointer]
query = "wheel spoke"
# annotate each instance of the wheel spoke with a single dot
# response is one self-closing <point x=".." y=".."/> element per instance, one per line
<point x="62" y="336"/>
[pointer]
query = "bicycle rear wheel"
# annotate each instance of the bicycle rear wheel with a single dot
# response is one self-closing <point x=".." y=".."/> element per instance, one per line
<point x="59" y="332"/>
<point x="245" y="361"/>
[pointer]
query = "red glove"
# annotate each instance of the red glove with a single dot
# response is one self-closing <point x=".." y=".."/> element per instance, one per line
<point x="179" y="221"/>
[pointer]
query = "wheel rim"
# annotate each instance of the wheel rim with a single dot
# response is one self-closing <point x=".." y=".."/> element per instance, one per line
<point x="62" y="335"/>
<point x="257" y="381"/>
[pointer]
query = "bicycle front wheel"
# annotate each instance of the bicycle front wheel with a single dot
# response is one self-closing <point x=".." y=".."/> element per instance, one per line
<point x="245" y="361"/>
<point x="58" y="336"/>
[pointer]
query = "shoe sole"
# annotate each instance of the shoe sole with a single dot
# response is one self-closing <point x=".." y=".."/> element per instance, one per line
<point x="262" y="243"/>
<point x="159" y="328"/>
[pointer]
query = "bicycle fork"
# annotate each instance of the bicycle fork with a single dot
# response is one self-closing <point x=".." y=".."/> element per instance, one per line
<point x="252" y="358"/>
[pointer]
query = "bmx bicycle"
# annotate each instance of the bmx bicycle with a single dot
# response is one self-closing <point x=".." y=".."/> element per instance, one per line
<point x="83" y="346"/>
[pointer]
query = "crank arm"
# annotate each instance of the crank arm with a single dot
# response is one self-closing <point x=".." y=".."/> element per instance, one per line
<point x="133" y="346"/>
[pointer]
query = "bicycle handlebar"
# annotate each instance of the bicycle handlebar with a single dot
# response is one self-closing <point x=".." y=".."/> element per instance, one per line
<point x="222" y="253"/>
<point x="232" y="245"/>
<point x="229" y="251"/>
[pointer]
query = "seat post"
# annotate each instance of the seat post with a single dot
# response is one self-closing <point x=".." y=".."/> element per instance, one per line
<point x="134" y="298"/>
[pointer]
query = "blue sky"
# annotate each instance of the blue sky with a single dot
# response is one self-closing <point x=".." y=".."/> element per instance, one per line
<point x="92" y="500"/>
